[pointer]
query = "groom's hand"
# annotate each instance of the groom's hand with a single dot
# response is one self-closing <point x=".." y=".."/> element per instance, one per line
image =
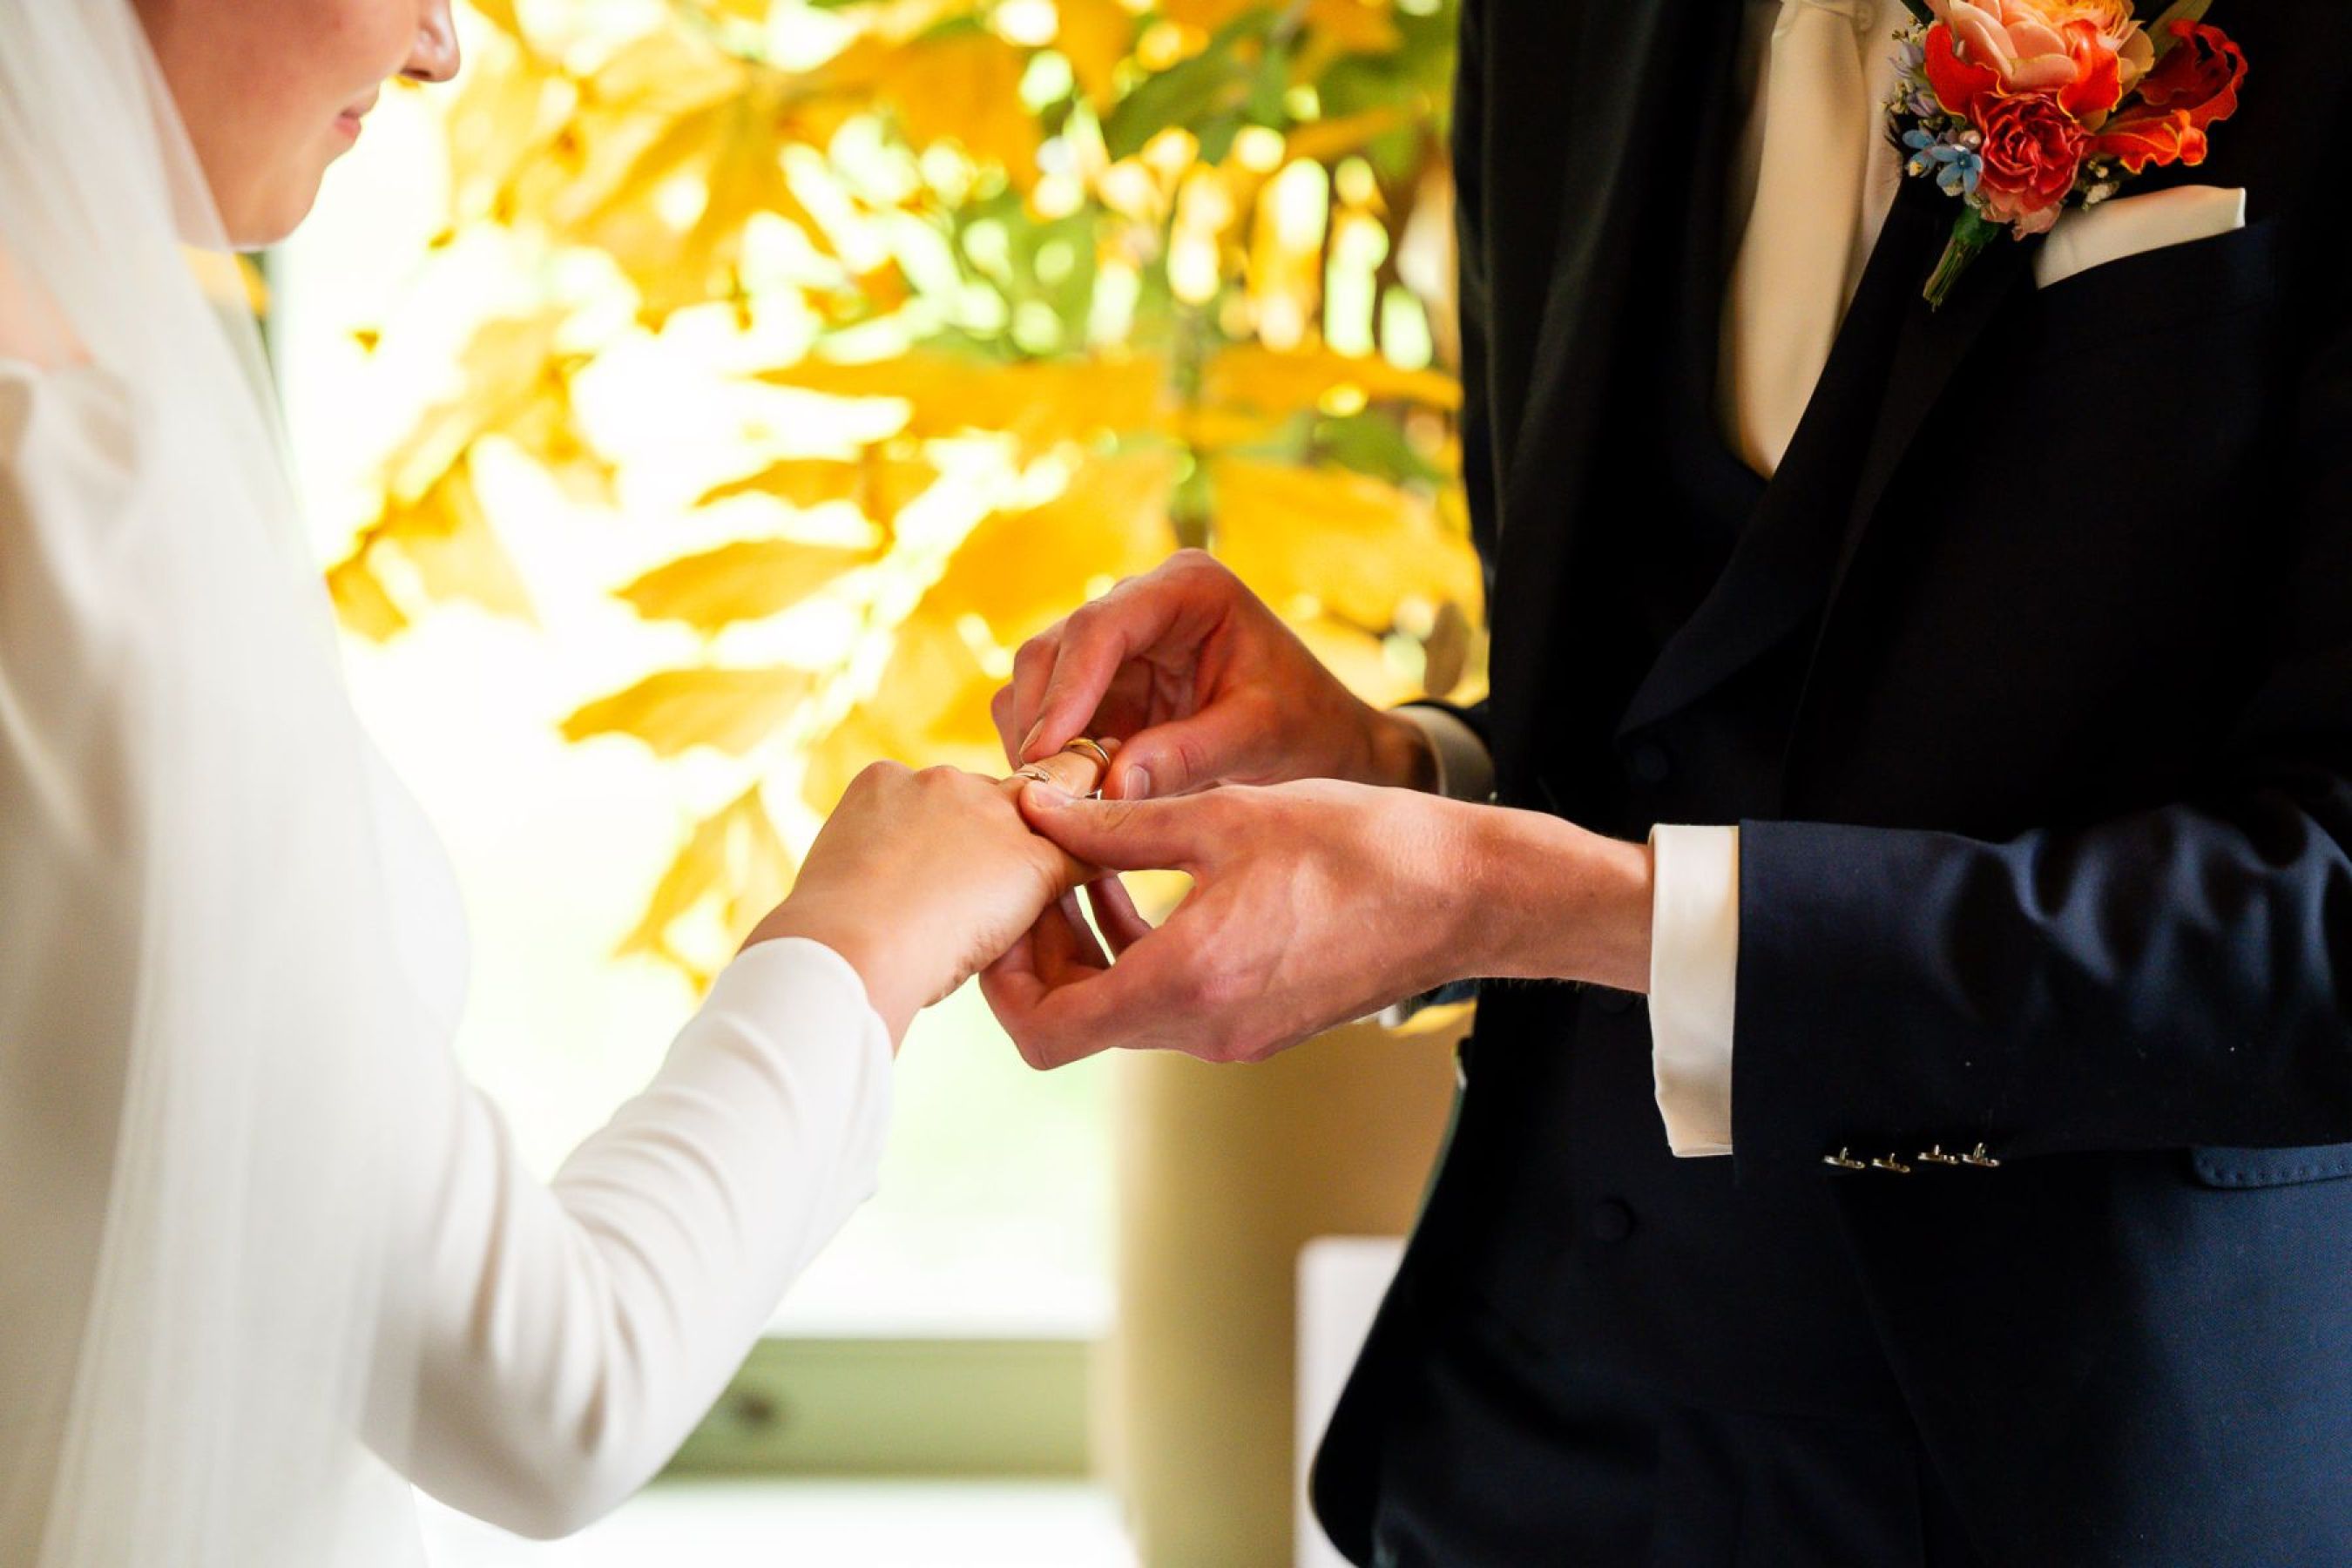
<point x="1204" y="685"/>
<point x="1315" y="903"/>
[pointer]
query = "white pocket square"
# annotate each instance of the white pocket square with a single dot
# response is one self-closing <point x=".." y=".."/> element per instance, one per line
<point x="2127" y="226"/>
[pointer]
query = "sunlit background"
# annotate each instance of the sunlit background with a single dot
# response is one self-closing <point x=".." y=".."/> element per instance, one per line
<point x="702" y="399"/>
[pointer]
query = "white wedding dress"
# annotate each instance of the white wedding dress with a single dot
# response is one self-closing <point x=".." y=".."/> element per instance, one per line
<point x="568" y="1334"/>
<point x="266" y="1257"/>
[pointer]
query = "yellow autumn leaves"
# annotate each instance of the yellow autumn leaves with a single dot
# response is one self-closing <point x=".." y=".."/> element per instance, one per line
<point x="1066" y="268"/>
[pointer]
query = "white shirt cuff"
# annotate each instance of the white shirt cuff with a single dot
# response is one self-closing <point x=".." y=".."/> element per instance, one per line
<point x="1465" y="769"/>
<point x="1693" y="978"/>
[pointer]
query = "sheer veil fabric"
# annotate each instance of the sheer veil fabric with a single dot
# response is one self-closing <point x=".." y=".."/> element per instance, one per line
<point x="186" y="852"/>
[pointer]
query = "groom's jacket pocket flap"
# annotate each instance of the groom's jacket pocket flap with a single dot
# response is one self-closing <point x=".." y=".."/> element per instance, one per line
<point x="2164" y="293"/>
<point x="2271" y="1167"/>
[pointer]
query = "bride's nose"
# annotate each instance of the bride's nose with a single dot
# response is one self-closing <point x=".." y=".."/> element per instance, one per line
<point x="434" y="58"/>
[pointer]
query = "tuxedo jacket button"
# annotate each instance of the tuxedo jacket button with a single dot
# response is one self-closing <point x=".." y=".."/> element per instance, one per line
<point x="1649" y="763"/>
<point x="1611" y="1220"/>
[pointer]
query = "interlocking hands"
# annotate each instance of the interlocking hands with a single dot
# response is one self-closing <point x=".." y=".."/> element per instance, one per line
<point x="920" y="878"/>
<point x="1327" y="881"/>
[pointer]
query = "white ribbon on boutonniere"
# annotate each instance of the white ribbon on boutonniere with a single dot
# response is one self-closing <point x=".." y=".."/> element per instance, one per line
<point x="2020" y="108"/>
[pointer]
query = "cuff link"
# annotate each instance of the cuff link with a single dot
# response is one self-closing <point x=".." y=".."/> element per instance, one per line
<point x="1981" y="1159"/>
<point x="1891" y="1163"/>
<point x="1844" y="1161"/>
<point x="1936" y="1156"/>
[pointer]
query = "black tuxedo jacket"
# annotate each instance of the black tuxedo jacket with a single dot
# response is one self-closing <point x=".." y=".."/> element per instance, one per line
<point x="2052" y="851"/>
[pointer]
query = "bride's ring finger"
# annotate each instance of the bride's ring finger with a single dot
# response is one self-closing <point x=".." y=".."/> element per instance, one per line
<point x="1077" y="768"/>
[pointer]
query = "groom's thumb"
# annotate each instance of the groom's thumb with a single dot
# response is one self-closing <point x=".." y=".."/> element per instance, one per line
<point x="1210" y="747"/>
<point x="1116" y="835"/>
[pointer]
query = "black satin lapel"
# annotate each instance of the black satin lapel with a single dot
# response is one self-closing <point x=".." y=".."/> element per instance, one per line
<point x="1660" y="62"/>
<point x="1784" y="564"/>
<point x="1893" y="362"/>
<point x="1933" y="346"/>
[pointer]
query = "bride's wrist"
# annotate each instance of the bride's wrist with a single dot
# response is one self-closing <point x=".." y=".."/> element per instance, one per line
<point x="893" y="994"/>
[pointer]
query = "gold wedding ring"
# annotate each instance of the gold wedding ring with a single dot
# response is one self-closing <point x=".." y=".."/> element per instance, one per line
<point x="1095" y="749"/>
<point x="1078" y="768"/>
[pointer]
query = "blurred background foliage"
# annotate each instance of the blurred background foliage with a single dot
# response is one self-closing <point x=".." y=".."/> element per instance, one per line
<point x="1002" y="300"/>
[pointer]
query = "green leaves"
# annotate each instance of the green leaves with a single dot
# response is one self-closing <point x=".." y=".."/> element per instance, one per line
<point x="1207" y="94"/>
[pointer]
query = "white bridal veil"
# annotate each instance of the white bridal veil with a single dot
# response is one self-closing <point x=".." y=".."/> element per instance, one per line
<point x="193" y="1343"/>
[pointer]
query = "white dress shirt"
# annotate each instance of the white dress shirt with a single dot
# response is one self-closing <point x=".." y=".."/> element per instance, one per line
<point x="575" y="1329"/>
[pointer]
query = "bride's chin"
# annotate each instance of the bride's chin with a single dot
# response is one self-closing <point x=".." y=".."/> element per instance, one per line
<point x="273" y="217"/>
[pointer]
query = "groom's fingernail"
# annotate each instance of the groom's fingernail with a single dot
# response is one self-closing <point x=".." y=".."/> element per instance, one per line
<point x="1051" y="796"/>
<point x="1029" y="742"/>
<point x="1139" y="785"/>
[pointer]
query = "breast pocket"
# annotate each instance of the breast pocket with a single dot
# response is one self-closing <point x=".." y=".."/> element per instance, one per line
<point x="2271" y="1167"/>
<point x="2188" y="292"/>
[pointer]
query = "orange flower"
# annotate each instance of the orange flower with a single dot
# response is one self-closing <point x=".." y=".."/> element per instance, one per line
<point x="2196" y="87"/>
<point x="2087" y="52"/>
<point x="2116" y="21"/>
<point x="2081" y="75"/>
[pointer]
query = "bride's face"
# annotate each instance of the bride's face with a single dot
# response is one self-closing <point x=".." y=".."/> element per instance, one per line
<point x="272" y="91"/>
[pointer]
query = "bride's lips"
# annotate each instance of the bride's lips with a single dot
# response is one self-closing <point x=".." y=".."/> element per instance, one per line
<point x="349" y="121"/>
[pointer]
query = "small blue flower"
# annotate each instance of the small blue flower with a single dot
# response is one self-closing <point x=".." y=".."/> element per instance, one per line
<point x="1957" y="169"/>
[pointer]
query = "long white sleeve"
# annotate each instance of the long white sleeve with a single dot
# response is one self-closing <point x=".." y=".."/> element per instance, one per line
<point x="1694" y="982"/>
<point x="577" y="1331"/>
<point x="573" y="1330"/>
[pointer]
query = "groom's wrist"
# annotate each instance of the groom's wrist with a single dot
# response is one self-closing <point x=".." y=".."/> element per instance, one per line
<point x="1403" y="755"/>
<point x="1560" y="903"/>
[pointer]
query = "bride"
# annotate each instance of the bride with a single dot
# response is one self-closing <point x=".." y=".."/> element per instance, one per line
<point x="265" y="1257"/>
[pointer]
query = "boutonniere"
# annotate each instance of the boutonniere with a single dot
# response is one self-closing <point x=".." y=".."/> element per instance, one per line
<point x="2022" y="108"/>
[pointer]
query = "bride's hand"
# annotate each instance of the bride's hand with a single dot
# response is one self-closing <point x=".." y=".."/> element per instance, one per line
<point x="920" y="879"/>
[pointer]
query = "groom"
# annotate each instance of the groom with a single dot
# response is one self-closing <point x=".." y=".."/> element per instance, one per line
<point x="1937" y="1151"/>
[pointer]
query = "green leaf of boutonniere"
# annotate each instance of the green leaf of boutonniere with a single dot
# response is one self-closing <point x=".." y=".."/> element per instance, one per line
<point x="2159" y="32"/>
<point x="1971" y="234"/>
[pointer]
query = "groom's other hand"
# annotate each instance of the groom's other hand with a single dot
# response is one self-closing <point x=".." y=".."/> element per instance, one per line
<point x="1204" y="685"/>
<point x="1314" y="904"/>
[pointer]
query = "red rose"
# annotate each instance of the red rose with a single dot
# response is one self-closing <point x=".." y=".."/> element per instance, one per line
<point x="2032" y="152"/>
<point x="2194" y="86"/>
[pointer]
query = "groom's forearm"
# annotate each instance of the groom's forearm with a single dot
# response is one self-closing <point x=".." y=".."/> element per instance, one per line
<point x="1560" y="902"/>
